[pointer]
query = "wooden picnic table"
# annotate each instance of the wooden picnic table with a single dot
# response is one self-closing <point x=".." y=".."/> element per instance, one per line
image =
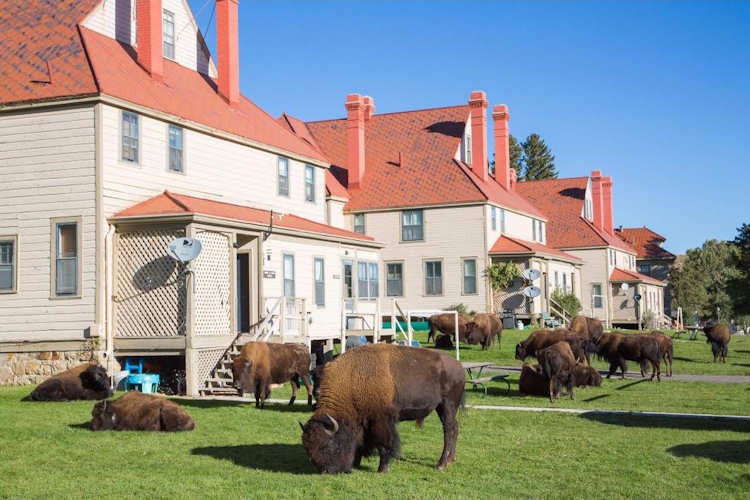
<point x="476" y="379"/>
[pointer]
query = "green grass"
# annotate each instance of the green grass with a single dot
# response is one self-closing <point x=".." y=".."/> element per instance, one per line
<point x="238" y="451"/>
<point x="691" y="356"/>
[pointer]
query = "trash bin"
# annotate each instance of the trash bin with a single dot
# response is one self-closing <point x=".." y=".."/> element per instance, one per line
<point x="509" y="320"/>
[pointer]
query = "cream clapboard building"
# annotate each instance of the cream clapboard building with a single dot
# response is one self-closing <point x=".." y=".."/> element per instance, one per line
<point x="111" y="150"/>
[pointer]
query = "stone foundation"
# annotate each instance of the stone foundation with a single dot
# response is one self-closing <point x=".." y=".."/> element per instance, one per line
<point x="22" y="368"/>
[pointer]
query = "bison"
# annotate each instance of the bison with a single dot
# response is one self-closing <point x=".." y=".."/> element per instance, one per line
<point x="261" y="364"/>
<point x="544" y="338"/>
<point x="591" y="328"/>
<point x="665" y="349"/>
<point x="446" y="323"/>
<point x="444" y="341"/>
<point x="532" y="381"/>
<point x="718" y="336"/>
<point x="134" y="411"/>
<point x="482" y="330"/>
<point x="365" y="392"/>
<point x="586" y="376"/>
<point x="87" y="381"/>
<point x="557" y="362"/>
<point x="616" y="348"/>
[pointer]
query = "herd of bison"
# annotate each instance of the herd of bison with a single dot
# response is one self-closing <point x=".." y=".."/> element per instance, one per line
<point x="362" y="394"/>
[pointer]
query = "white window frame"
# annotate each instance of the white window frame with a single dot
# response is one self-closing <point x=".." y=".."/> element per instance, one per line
<point x="502" y="220"/>
<point x="352" y="277"/>
<point x="284" y="278"/>
<point x="425" y="262"/>
<point x="319" y="282"/>
<point x="493" y="217"/>
<point x="359" y="228"/>
<point x="370" y="278"/>
<point x="167" y="19"/>
<point x="170" y="127"/>
<point x="421" y="224"/>
<point x="464" y="276"/>
<point x="136" y="139"/>
<point x="310" y="184"/>
<point x="55" y="223"/>
<point x="13" y="240"/>
<point x="565" y="282"/>
<point x="595" y="296"/>
<point x="557" y="280"/>
<point x="281" y="187"/>
<point x="399" y="263"/>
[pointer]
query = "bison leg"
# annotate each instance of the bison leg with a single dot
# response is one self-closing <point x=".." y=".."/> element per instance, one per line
<point x="384" y="435"/>
<point x="309" y="387"/>
<point x="612" y="368"/>
<point x="295" y="388"/>
<point x="623" y="368"/>
<point x="644" y="367"/>
<point x="552" y="389"/>
<point x="571" y="384"/>
<point x="447" y="413"/>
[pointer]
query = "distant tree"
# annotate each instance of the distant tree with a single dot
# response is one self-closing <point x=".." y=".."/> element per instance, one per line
<point x="516" y="156"/>
<point x="739" y="288"/>
<point x="538" y="160"/>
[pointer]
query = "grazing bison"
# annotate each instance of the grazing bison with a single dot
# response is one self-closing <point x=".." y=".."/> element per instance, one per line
<point x="586" y="376"/>
<point x="367" y="391"/>
<point x="87" y="381"/>
<point x="533" y="381"/>
<point x="591" y="328"/>
<point x="446" y="323"/>
<point x="616" y="348"/>
<point x="544" y="338"/>
<point x="134" y="411"/>
<point x="665" y="349"/>
<point x="444" y="341"/>
<point x="557" y="362"/>
<point x="261" y="364"/>
<point x="483" y="329"/>
<point x="718" y="336"/>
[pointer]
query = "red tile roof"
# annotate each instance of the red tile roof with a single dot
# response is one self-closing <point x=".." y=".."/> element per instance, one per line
<point x="646" y="242"/>
<point x="619" y="275"/>
<point x="562" y="200"/>
<point x="515" y="246"/>
<point x="426" y="142"/>
<point x="42" y="55"/>
<point x="179" y="204"/>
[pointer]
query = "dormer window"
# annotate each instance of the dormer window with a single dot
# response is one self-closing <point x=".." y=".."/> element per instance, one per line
<point x="465" y="151"/>
<point x="167" y="27"/>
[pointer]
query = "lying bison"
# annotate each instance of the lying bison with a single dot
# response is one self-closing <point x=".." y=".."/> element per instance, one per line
<point x="261" y="364"/>
<point x="134" y="411"/>
<point x="557" y="362"/>
<point x="544" y="338"/>
<point x="446" y="323"/>
<point x="86" y="381"/>
<point x="586" y="376"/>
<point x="365" y="392"/>
<point x="444" y="341"/>
<point x="718" y="337"/>
<point x="533" y="381"/>
<point x="483" y="329"/>
<point x="616" y="348"/>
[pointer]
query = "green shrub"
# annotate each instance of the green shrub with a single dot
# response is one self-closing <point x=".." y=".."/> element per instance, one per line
<point x="568" y="301"/>
<point x="501" y="275"/>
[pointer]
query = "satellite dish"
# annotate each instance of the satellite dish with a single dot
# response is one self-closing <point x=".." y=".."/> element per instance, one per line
<point x="184" y="249"/>
<point x="531" y="274"/>
<point x="624" y="287"/>
<point x="637" y="297"/>
<point x="532" y="291"/>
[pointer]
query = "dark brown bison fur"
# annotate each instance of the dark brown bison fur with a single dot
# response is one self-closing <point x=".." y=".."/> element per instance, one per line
<point x="591" y="328"/>
<point x="134" y="411"/>
<point x="666" y="350"/>
<point x="544" y="338"/>
<point x="533" y="381"/>
<point x="446" y="323"/>
<point x="87" y="381"/>
<point x="718" y="336"/>
<point x="366" y="391"/>
<point x="261" y="364"/>
<point x="557" y="362"/>
<point x="444" y="341"/>
<point x="586" y="376"/>
<point x="616" y="348"/>
<point x="483" y="329"/>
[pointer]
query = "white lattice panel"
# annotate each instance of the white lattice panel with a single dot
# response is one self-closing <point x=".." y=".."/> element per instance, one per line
<point x="212" y="285"/>
<point x="206" y="361"/>
<point x="150" y="297"/>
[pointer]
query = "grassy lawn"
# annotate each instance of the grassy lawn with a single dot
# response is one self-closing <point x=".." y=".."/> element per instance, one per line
<point x="238" y="451"/>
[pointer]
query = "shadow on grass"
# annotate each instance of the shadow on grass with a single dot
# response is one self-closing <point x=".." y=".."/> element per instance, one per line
<point x="275" y="457"/>
<point x="689" y="360"/>
<point x="741" y="364"/>
<point x="83" y="425"/>
<point x="595" y="398"/>
<point x="667" y="422"/>
<point x="744" y="351"/>
<point x="221" y="403"/>
<point x="631" y="384"/>
<point x="737" y="452"/>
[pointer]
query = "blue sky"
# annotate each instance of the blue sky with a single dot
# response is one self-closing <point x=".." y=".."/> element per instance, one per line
<point x="654" y="94"/>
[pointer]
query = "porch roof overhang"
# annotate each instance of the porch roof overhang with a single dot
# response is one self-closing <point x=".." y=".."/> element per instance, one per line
<point x="623" y="276"/>
<point x="506" y="246"/>
<point x="172" y="208"/>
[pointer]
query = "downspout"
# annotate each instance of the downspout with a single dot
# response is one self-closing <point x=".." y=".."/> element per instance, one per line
<point x="109" y="309"/>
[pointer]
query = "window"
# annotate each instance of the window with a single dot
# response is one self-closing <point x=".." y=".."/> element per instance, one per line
<point x="309" y="183"/>
<point x="288" y="275"/>
<point x="467" y="150"/>
<point x="596" y="295"/>
<point x="433" y="277"/>
<point x="644" y="268"/>
<point x="283" y="165"/>
<point x="66" y="258"/>
<point x="320" y="283"/>
<point x="8" y="264"/>
<point x="368" y="280"/>
<point x="129" y="136"/>
<point x="611" y="257"/>
<point x="542" y="231"/>
<point x="359" y="223"/>
<point x="470" y="276"/>
<point x="502" y="220"/>
<point x="394" y="279"/>
<point x="493" y="217"/>
<point x="348" y="281"/>
<point x="167" y="26"/>
<point x="533" y="228"/>
<point x="411" y="225"/>
<point x="175" y="148"/>
<point x="565" y="282"/>
<point x="557" y="280"/>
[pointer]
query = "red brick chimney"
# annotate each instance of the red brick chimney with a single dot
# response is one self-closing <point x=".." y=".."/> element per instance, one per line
<point x="148" y="33"/>
<point x="607" y="215"/>
<point x="500" y="119"/>
<point x="369" y="107"/>
<point x="227" y="47"/>
<point x="355" y="137"/>
<point x="478" y="106"/>
<point x="597" y="198"/>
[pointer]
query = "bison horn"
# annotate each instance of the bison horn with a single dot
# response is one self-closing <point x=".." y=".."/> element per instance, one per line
<point x="335" y="426"/>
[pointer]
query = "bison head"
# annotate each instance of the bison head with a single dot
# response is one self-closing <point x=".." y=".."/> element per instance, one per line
<point x="103" y="416"/>
<point x="330" y="444"/>
<point x="520" y="351"/>
<point x="242" y="369"/>
<point x="95" y="378"/>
